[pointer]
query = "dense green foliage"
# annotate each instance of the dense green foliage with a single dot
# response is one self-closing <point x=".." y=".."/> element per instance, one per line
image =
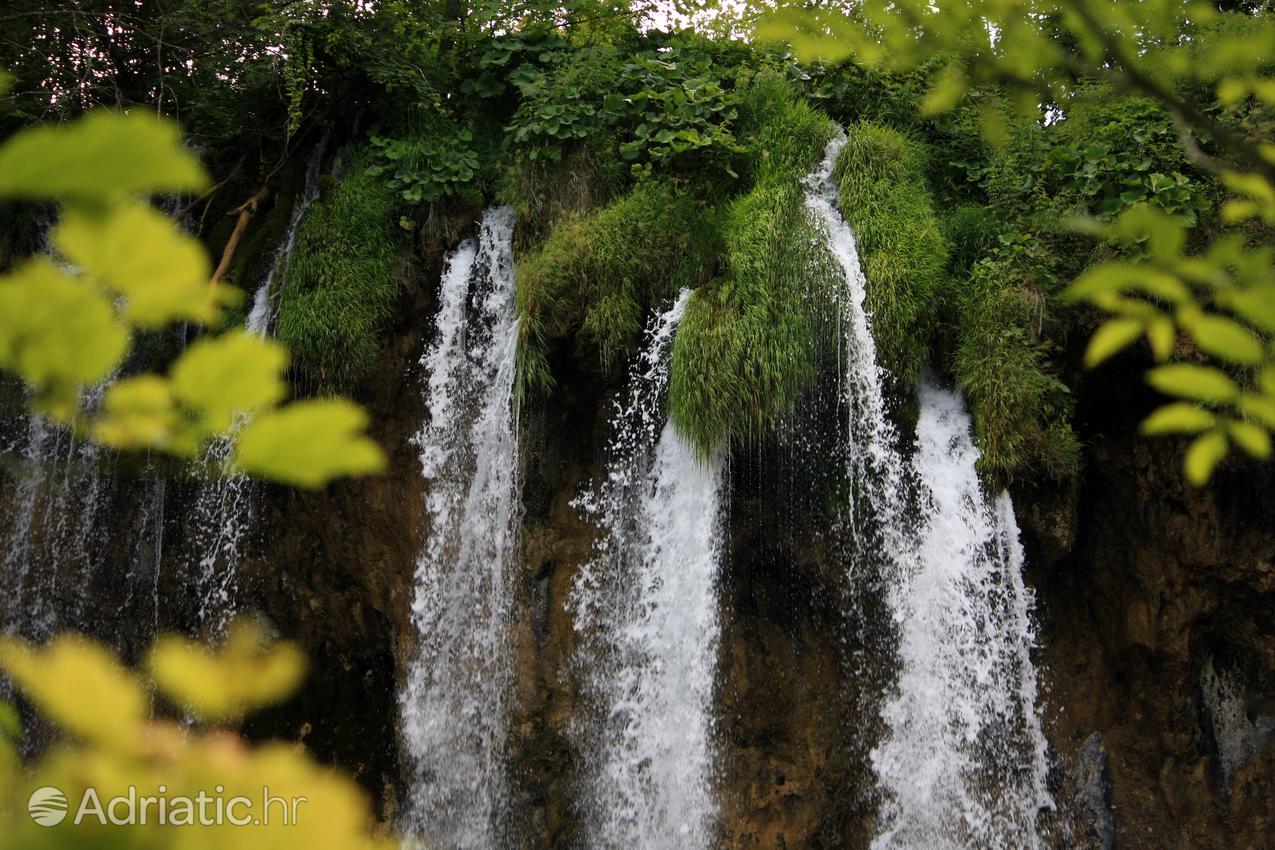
<point x="881" y="182"/>
<point x="1144" y="116"/>
<point x="341" y="285"/>
<point x="597" y="275"/>
<point x="751" y="343"/>
<point x="640" y="161"/>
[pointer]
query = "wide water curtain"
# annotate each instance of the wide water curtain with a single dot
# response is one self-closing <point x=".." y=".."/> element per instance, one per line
<point x="962" y="762"/>
<point x="458" y="684"/>
<point x="647" y="610"/>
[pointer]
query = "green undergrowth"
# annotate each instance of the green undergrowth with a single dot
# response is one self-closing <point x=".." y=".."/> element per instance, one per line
<point x="752" y="342"/>
<point x="881" y="183"/>
<point x="596" y="275"/>
<point x="340" y="287"/>
<point x="1020" y="407"/>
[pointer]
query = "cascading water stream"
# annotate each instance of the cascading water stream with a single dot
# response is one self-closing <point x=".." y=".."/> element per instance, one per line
<point x="455" y="698"/>
<point x="877" y="469"/>
<point x="224" y="510"/>
<point x="647" y="610"/>
<point x="53" y="532"/>
<point x="962" y="763"/>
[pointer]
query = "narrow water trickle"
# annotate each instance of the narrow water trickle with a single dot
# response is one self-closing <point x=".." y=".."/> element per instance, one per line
<point x="225" y="509"/>
<point x="454" y="701"/>
<point x="962" y="762"/>
<point x="646" y="608"/>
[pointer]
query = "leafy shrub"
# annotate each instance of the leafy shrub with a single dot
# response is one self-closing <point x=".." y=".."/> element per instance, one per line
<point x="881" y="181"/>
<point x="679" y="115"/>
<point x="431" y="167"/>
<point x="340" y="287"/>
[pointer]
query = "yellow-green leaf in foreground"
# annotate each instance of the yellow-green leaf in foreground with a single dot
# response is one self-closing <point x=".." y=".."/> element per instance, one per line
<point x="1181" y="417"/>
<point x="1113" y="336"/>
<point x="1161" y="334"/>
<point x="1202" y="383"/>
<point x="309" y="443"/>
<point x="247" y="673"/>
<point x="1203" y="456"/>
<point x="1257" y="305"/>
<point x="56" y="330"/>
<point x="1226" y="339"/>
<point x="236" y="372"/>
<point x="78" y="685"/>
<point x="1251" y="438"/>
<point x="161" y="272"/>
<point x="104" y="154"/>
<point x="137" y="413"/>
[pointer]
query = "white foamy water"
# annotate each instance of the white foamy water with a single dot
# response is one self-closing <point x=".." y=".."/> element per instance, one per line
<point x="964" y="760"/>
<point x="646" y="608"/>
<point x="455" y="700"/>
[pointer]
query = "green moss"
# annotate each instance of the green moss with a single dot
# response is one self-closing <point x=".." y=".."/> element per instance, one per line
<point x="881" y="182"/>
<point x="1021" y="409"/>
<point x="340" y="287"/>
<point x="597" y="274"/>
<point x="748" y="346"/>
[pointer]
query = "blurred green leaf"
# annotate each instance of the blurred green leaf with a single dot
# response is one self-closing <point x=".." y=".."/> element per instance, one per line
<point x="1203" y="456"/>
<point x="103" y="155"/>
<point x="1202" y="383"/>
<point x="309" y="443"/>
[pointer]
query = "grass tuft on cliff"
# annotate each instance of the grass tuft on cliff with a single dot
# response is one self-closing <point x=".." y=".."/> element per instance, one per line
<point x="881" y="183"/>
<point x="596" y="275"/>
<point x="1021" y="409"/>
<point x="340" y="287"/>
<point x="750" y="344"/>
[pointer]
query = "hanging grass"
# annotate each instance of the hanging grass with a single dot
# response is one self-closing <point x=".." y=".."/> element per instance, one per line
<point x="881" y="182"/>
<point x="340" y="287"/>
<point x="750" y="344"/>
<point x="596" y="275"/>
<point x="1021" y="409"/>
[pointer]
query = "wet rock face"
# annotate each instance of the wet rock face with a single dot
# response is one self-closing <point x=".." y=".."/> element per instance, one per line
<point x="1164" y="582"/>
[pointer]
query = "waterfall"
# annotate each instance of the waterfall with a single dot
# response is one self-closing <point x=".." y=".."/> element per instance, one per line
<point x="457" y="685"/>
<point x="962" y="762"/>
<point x="647" y="611"/>
<point x="225" y="508"/>
<point x="877" y="470"/>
